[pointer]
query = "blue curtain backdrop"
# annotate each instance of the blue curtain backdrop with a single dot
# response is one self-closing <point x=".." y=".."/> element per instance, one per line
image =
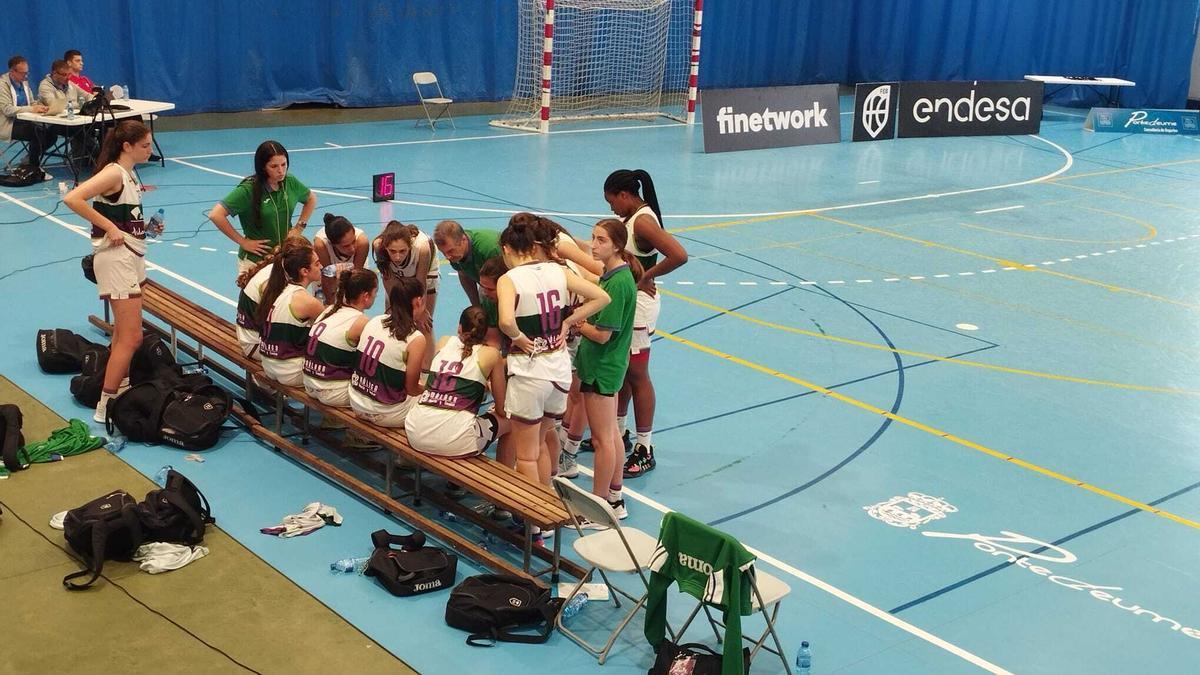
<point x="249" y="54"/>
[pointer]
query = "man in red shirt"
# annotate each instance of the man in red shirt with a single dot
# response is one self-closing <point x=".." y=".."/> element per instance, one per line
<point x="74" y="58"/>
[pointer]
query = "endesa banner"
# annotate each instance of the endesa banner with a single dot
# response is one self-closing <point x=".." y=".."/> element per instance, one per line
<point x="969" y="108"/>
<point x="770" y="117"/>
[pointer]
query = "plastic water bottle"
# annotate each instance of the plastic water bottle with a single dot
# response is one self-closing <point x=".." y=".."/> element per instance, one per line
<point x="194" y="369"/>
<point x="157" y="222"/>
<point x="348" y="565"/>
<point x="574" y="606"/>
<point x="329" y="271"/>
<point x="804" y="659"/>
<point x="161" y="476"/>
<point x="124" y="92"/>
<point x="115" y="444"/>
<point x="448" y="516"/>
<point x="70" y="109"/>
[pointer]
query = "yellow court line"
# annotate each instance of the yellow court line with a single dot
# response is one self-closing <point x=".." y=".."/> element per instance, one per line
<point x="924" y="355"/>
<point x="731" y="223"/>
<point x="1004" y="262"/>
<point x="1151" y="231"/>
<point x="1125" y="170"/>
<point x="1118" y="195"/>
<point x="862" y="405"/>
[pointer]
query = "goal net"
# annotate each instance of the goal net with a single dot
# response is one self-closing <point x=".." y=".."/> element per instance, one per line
<point x="599" y="59"/>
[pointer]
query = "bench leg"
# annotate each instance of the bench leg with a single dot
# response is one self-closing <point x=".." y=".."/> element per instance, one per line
<point x="107" y="315"/>
<point x="557" y="555"/>
<point x="527" y="551"/>
<point x="388" y="473"/>
<point x="278" y="413"/>
<point x="174" y="343"/>
<point x="417" y="487"/>
<point x="305" y="430"/>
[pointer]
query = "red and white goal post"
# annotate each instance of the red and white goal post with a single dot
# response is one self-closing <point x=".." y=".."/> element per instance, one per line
<point x="604" y="59"/>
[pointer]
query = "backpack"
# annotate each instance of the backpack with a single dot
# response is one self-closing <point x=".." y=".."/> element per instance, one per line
<point x="153" y="360"/>
<point x="490" y="606"/>
<point x="21" y="176"/>
<point x="194" y="414"/>
<point x="12" y="438"/>
<point x="107" y="528"/>
<point x="694" y="658"/>
<point x="89" y="383"/>
<point x="138" y="412"/>
<point x="176" y="513"/>
<point x="60" y="351"/>
<point x="413" y="569"/>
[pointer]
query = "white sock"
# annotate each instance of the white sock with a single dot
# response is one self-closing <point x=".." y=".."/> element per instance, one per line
<point x="644" y="437"/>
<point x="614" y="496"/>
<point x="571" y="447"/>
<point x="123" y="386"/>
<point x="101" y="413"/>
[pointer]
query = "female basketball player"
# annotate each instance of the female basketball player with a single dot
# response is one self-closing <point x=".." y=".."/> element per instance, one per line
<point x="340" y="246"/>
<point x="252" y="282"/>
<point x="391" y="355"/>
<point x="285" y="312"/>
<point x="332" y="351"/>
<point x="405" y="251"/>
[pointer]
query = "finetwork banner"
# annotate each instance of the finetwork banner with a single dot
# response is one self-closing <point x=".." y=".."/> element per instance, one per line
<point x="1143" y="121"/>
<point x="969" y="108"/>
<point x="770" y="117"/>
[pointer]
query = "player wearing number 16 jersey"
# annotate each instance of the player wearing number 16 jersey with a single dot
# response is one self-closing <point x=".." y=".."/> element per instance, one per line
<point x="532" y="301"/>
<point x="391" y="350"/>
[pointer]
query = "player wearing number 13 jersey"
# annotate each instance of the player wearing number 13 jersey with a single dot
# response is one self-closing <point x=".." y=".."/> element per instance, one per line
<point x="391" y="352"/>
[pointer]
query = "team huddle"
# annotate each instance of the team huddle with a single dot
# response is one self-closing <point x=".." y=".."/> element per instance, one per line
<point x="557" y="332"/>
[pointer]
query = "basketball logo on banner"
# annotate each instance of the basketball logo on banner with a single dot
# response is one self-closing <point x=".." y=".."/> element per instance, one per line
<point x="873" y="106"/>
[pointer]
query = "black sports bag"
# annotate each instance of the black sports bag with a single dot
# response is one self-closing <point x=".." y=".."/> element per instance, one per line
<point x="107" y="528"/>
<point x="12" y="438"/>
<point x="60" y="351"/>
<point x="177" y="512"/>
<point x="492" y="606"/>
<point x="414" y="568"/>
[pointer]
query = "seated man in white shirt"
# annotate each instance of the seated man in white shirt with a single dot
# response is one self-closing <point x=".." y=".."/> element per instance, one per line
<point x="16" y="98"/>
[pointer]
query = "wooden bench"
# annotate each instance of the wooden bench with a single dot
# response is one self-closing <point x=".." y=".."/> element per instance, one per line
<point x="536" y="504"/>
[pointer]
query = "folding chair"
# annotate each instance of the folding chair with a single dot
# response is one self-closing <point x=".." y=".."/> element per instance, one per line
<point x="688" y="551"/>
<point x="22" y="149"/>
<point x="615" y="549"/>
<point x="427" y="78"/>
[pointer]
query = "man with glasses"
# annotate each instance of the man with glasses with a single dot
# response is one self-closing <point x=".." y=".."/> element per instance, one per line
<point x="57" y="90"/>
<point x="16" y="98"/>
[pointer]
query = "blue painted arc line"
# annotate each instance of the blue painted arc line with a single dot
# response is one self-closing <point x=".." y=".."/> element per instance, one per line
<point x="1074" y="535"/>
<point x="717" y="315"/>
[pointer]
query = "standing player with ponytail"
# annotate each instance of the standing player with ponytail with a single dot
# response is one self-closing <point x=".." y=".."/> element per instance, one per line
<point x="624" y="191"/>
<point x="603" y="359"/>
<point x="332" y="351"/>
<point x="118" y="244"/>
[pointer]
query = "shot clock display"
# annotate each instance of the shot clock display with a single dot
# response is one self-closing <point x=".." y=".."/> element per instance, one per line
<point x="383" y="187"/>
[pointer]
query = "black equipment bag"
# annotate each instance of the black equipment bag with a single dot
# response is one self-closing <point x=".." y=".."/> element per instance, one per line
<point x="176" y="513"/>
<point x="138" y="412"/>
<point x="153" y="360"/>
<point x="693" y="658"/>
<point x="412" y="570"/>
<point x="21" y="176"/>
<point x="194" y="414"/>
<point x="107" y="528"/>
<point x="89" y="383"/>
<point x="12" y="438"/>
<point x="61" y="351"/>
<point x="88" y="263"/>
<point x="491" y="606"/>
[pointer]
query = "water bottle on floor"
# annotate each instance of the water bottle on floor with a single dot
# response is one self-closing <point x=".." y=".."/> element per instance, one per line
<point x="155" y="226"/>
<point x="161" y="476"/>
<point x="348" y="565"/>
<point x="804" y="659"/>
<point x="115" y="444"/>
<point x="574" y="606"/>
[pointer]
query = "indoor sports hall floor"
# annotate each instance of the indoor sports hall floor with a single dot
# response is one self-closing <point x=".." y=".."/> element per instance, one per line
<point x="1008" y="324"/>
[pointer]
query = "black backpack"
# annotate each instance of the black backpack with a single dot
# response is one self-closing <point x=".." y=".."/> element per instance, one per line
<point x="491" y="606"/>
<point x="414" y="568"/>
<point x="138" y="412"/>
<point x="12" y="438"/>
<point x="194" y="415"/>
<point x="107" y="528"/>
<point x="176" y="513"/>
<point x="60" y="351"/>
<point x="89" y="383"/>
<point x="153" y="360"/>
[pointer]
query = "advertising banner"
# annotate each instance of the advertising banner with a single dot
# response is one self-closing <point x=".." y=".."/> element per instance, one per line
<point x="969" y="108"/>
<point x="770" y="117"/>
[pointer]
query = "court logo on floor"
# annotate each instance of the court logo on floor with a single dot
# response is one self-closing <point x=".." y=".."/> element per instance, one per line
<point x="912" y="510"/>
<point x="874" y="106"/>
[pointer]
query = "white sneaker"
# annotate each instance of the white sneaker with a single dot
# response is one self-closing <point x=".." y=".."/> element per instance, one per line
<point x="46" y="176"/>
<point x="619" y="509"/>
<point x="101" y="414"/>
<point x="568" y="465"/>
<point x="586" y="524"/>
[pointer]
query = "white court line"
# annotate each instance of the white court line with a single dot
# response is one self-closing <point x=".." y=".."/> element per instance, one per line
<point x="208" y="248"/>
<point x="778" y="564"/>
<point x="837" y="593"/>
<point x="1070" y="161"/>
<point x="867" y="182"/>
<point x="334" y="145"/>
<point x="1002" y="208"/>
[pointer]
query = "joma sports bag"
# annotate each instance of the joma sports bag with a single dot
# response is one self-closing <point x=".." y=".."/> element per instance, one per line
<point x="178" y="512"/>
<point x="87" y="385"/>
<point x="413" y="568"/>
<point x="106" y="528"/>
<point x="492" y="606"/>
<point x="12" y="438"/>
<point x="60" y="351"/>
<point x="193" y="416"/>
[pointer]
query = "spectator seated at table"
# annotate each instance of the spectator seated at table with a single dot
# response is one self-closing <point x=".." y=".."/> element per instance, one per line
<point x="16" y="98"/>
<point x="74" y="59"/>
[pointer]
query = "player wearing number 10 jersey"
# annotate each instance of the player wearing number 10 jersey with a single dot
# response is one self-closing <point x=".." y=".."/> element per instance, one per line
<point x="391" y="351"/>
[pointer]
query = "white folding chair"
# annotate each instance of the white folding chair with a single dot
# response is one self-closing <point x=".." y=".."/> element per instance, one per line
<point x="614" y="549"/>
<point x="431" y="103"/>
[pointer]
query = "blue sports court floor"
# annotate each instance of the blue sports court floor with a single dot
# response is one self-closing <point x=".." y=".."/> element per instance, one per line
<point x="946" y="388"/>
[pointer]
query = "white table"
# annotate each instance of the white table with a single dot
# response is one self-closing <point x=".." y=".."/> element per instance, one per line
<point x="81" y="124"/>
<point x="1113" y="84"/>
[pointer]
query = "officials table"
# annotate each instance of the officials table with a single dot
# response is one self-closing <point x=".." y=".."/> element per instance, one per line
<point x="75" y="130"/>
<point x="1113" y="84"/>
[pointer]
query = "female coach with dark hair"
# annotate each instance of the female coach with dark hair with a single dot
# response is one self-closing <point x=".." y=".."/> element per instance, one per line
<point x="264" y="203"/>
